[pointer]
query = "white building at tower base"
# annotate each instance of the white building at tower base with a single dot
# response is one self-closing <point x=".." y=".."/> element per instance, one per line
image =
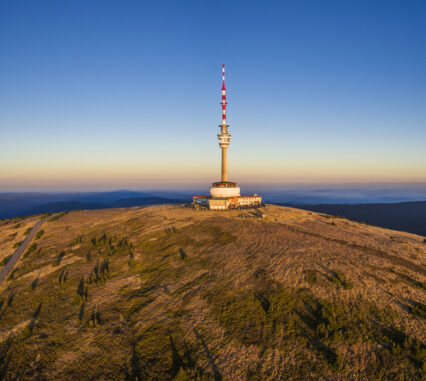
<point x="225" y="196"/>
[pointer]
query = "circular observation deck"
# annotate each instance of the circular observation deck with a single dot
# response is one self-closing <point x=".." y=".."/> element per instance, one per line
<point x="225" y="189"/>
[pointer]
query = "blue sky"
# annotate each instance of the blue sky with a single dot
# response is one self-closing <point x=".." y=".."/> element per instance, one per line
<point x="125" y="94"/>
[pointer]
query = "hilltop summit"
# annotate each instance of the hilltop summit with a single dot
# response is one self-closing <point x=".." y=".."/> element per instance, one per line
<point x="168" y="293"/>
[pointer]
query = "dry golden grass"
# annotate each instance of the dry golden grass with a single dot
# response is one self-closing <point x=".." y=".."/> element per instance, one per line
<point x="12" y="231"/>
<point x="173" y="293"/>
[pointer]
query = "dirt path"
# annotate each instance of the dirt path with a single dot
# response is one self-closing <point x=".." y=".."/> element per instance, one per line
<point x="4" y="272"/>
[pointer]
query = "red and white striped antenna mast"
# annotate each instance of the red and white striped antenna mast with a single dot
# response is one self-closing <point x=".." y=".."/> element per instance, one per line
<point x="224" y="136"/>
<point x="223" y="96"/>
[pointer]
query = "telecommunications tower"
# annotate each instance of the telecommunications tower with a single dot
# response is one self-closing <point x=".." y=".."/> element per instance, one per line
<point x="224" y="136"/>
<point x="225" y="194"/>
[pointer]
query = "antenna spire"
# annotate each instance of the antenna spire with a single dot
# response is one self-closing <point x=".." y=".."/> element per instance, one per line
<point x="223" y="96"/>
<point x="224" y="136"/>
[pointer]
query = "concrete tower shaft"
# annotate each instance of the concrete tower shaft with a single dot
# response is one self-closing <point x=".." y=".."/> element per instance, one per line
<point x="224" y="136"/>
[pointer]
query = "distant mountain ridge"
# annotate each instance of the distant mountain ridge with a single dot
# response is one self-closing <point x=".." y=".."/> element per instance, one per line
<point x="404" y="216"/>
<point x="137" y="201"/>
<point x="25" y="204"/>
<point x="63" y="206"/>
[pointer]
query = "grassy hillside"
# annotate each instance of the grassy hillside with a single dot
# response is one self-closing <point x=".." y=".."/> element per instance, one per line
<point x="169" y="293"/>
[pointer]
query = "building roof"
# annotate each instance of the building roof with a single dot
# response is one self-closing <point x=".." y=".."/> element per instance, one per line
<point x="226" y="198"/>
<point x="238" y="197"/>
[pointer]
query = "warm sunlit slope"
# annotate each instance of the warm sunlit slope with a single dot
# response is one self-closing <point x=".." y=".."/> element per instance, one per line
<point x="166" y="292"/>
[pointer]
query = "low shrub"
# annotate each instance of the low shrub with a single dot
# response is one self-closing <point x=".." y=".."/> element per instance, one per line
<point x="30" y="250"/>
<point x="182" y="254"/>
<point x="26" y="332"/>
<point x="338" y="279"/>
<point x="419" y="310"/>
<point x="57" y="217"/>
<point x="5" y="260"/>
<point x="95" y="317"/>
<point x="100" y="272"/>
<point x="311" y="277"/>
<point x="17" y="244"/>
<point x="59" y="258"/>
<point x="63" y="277"/>
<point x="39" y="234"/>
<point x="82" y="290"/>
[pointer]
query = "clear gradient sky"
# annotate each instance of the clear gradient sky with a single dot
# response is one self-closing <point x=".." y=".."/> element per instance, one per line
<point x="125" y="94"/>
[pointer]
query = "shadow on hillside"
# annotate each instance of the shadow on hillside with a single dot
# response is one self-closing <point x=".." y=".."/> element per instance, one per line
<point x="182" y="254"/>
<point x="5" y="356"/>
<point x="35" y="281"/>
<point x="312" y="321"/>
<point x="217" y="374"/>
<point x="59" y="258"/>
<point x="11" y="297"/>
<point x="63" y="276"/>
<point x="34" y="318"/>
<point x="81" y="312"/>
<point x="137" y="366"/>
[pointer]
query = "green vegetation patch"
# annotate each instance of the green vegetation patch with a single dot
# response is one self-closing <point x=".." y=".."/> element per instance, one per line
<point x="48" y="311"/>
<point x="39" y="234"/>
<point x="338" y="279"/>
<point x="272" y="316"/>
<point x="399" y="361"/>
<point x="163" y="353"/>
<point x="30" y="250"/>
<point x="28" y="231"/>
<point x="109" y="245"/>
<point x="17" y="244"/>
<point x="57" y="217"/>
<point x="200" y="280"/>
<point x="419" y="310"/>
<point x="218" y="235"/>
<point x="5" y="260"/>
<point x="167" y="257"/>
<point x="311" y="277"/>
<point x="57" y="261"/>
<point x="100" y="272"/>
<point x="194" y="236"/>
